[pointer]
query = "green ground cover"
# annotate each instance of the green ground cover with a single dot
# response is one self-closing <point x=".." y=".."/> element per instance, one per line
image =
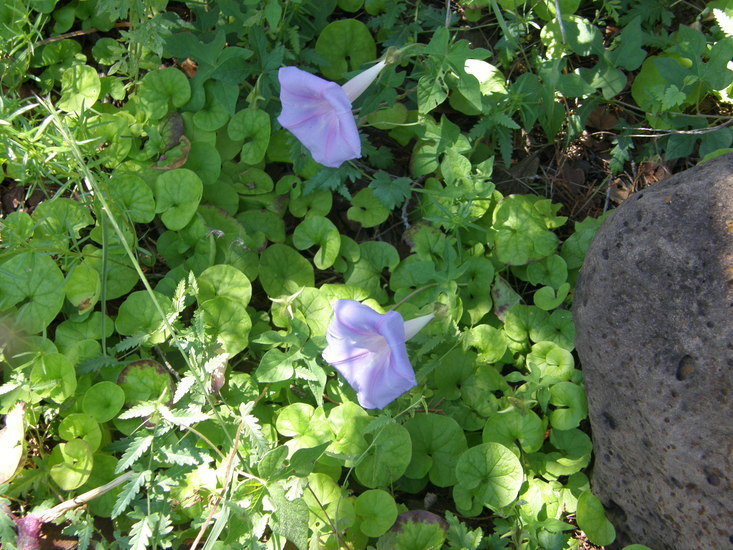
<point x="170" y="257"/>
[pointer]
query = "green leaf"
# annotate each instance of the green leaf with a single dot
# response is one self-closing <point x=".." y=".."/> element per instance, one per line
<point x="366" y="209"/>
<point x="290" y="518"/>
<point x="81" y="426"/>
<point x="204" y="160"/>
<point x="223" y="280"/>
<point x="71" y="464"/>
<point x="103" y="401"/>
<point x="227" y="320"/>
<point x="592" y="520"/>
<point x="488" y="341"/>
<point x="253" y="127"/>
<point x="144" y="380"/>
<point x="83" y="287"/>
<point x="551" y="362"/>
<point x="627" y="52"/>
<point x="437" y="442"/>
<point x="345" y="45"/>
<point x="391" y="192"/>
<point x="348" y="422"/>
<point x="318" y="230"/>
<point x="548" y="298"/>
<point x="283" y="271"/>
<point x="522" y="427"/>
<point x="162" y="91"/>
<point x="377" y="512"/>
<point x="138" y="315"/>
<point x="492" y="473"/>
<point x="80" y="87"/>
<point x="133" y="196"/>
<point x="387" y="457"/>
<point x="307" y="426"/>
<point x="521" y="234"/>
<point x="177" y="195"/>
<point x="570" y="405"/>
<point x="53" y="377"/>
<point x="374" y="257"/>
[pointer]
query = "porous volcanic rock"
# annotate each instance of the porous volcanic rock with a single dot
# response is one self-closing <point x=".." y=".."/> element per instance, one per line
<point x="654" y="318"/>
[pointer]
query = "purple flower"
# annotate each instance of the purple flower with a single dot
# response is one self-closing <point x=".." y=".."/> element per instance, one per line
<point x="318" y="113"/>
<point x="368" y="349"/>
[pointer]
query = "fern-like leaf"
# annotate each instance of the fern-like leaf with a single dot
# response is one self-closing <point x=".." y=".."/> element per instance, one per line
<point x="136" y="449"/>
<point x="129" y="492"/>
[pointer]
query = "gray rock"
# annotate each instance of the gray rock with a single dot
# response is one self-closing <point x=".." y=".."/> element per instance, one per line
<point x="654" y="319"/>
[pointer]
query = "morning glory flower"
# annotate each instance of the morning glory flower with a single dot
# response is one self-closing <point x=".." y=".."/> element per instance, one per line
<point x="368" y="349"/>
<point x="318" y="112"/>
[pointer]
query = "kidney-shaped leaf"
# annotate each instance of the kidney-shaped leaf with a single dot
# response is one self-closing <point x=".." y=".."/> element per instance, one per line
<point x="321" y="231"/>
<point x="103" y="401"/>
<point x="71" y="464"/>
<point x="387" y="458"/>
<point x="492" y="473"/>
<point x="34" y="285"/>
<point x="162" y="90"/>
<point x="80" y="87"/>
<point x="437" y="442"/>
<point x="81" y="426"/>
<point x="224" y="280"/>
<point x="177" y="195"/>
<point x="344" y="45"/>
<point x="252" y="126"/>
<point x="283" y="271"/>
<point x="377" y="511"/>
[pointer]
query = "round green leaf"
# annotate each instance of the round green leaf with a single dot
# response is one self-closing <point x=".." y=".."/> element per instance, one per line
<point x="71" y="464"/>
<point x="321" y="231"/>
<point x="377" y="512"/>
<point x="204" y="161"/>
<point x="348" y="422"/>
<point x="138" y="315"/>
<point x="283" y="271"/>
<point x="103" y="401"/>
<point x="570" y="403"/>
<point x="83" y="287"/>
<point x="133" y="196"/>
<point x="437" y="442"/>
<point x="61" y="218"/>
<point x="224" y="280"/>
<point x="80" y="87"/>
<point x="367" y="209"/>
<point x="387" y="457"/>
<point x="306" y="426"/>
<point x="324" y="492"/>
<point x="548" y="298"/>
<point x="252" y="126"/>
<point x="81" y="426"/>
<point x="227" y="320"/>
<point x="523" y="427"/>
<point x="592" y="520"/>
<point x="144" y="380"/>
<point x="32" y="284"/>
<point x="177" y="195"/>
<point x="552" y="363"/>
<point x="521" y="234"/>
<point x="161" y="91"/>
<point x="488" y="341"/>
<point x="121" y="276"/>
<point x="53" y="377"/>
<point x="345" y="45"/>
<point x="492" y="473"/>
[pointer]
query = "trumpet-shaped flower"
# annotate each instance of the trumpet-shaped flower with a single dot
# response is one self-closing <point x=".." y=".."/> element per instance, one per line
<point x="368" y="349"/>
<point x="318" y="113"/>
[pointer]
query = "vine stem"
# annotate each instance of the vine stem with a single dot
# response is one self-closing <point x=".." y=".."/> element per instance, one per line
<point x="60" y="509"/>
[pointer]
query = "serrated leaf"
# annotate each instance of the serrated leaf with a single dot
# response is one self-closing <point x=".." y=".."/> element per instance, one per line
<point x="136" y="449"/>
<point x="129" y="492"/>
<point x="140" y="533"/>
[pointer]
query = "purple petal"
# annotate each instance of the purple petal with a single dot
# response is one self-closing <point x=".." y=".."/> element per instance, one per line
<point x="319" y="114"/>
<point x="368" y="349"/>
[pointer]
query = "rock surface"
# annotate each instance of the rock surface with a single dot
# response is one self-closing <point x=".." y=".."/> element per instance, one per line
<point x="654" y="319"/>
